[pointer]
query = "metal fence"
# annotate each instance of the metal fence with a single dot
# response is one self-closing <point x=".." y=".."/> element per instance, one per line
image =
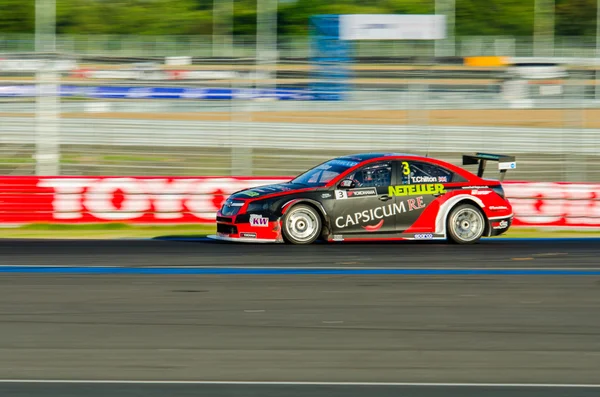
<point x="122" y="146"/>
<point x="439" y="110"/>
<point x="299" y="46"/>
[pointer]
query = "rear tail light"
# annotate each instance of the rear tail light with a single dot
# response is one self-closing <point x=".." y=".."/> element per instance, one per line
<point x="499" y="190"/>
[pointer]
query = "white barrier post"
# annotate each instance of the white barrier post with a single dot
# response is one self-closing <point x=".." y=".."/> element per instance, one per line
<point x="446" y="46"/>
<point x="47" y="133"/>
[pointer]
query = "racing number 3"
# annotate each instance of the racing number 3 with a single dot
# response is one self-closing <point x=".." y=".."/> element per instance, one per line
<point x="405" y="168"/>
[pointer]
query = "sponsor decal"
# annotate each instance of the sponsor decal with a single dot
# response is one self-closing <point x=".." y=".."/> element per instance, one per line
<point x="507" y="166"/>
<point x="415" y="204"/>
<point x="251" y="193"/>
<point x="347" y="183"/>
<point x="415" y="190"/>
<point x="501" y="225"/>
<point x="326" y="195"/>
<point x="480" y="192"/>
<point x="248" y="235"/>
<point x="258" y="221"/>
<point x="373" y="228"/>
<point x="423" y="179"/>
<point x="343" y="163"/>
<point x="380" y="213"/>
<point x="340" y="195"/>
<point x="355" y="193"/>
<point x="362" y="192"/>
<point x="405" y="168"/>
<point x="338" y="237"/>
<point x="498" y="208"/>
<point x="424" y="236"/>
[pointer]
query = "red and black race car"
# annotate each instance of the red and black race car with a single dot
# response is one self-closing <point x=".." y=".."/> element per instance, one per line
<point x="373" y="196"/>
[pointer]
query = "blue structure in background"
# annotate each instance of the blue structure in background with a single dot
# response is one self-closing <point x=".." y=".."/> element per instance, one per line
<point x="330" y="59"/>
<point x="121" y="92"/>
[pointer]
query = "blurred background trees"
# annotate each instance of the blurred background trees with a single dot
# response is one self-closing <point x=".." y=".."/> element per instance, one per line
<point x="189" y="17"/>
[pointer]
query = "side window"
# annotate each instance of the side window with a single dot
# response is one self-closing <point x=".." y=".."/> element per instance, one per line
<point x="416" y="172"/>
<point x="373" y="175"/>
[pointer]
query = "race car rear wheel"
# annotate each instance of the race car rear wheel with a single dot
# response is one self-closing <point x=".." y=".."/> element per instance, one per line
<point x="301" y="225"/>
<point x="466" y="224"/>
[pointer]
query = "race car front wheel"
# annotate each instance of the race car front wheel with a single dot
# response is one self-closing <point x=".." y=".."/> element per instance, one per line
<point x="301" y="225"/>
<point x="466" y="224"/>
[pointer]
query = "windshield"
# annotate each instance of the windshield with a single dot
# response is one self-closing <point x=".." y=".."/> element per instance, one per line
<point x="325" y="172"/>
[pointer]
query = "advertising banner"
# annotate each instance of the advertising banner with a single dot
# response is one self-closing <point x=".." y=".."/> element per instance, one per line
<point x="163" y="74"/>
<point x="36" y="65"/>
<point x="117" y="92"/>
<point x="392" y="27"/>
<point x="555" y="204"/>
<point x="141" y="200"/>
<point x="162" y="200"/>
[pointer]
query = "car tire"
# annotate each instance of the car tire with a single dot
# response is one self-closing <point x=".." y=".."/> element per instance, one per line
<point x="465" y="224"/>
<point x="301" y="225"/>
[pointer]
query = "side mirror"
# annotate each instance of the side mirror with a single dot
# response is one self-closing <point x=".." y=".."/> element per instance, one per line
<point x="347" y="184"/>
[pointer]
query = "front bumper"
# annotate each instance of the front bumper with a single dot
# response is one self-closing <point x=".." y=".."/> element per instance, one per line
<point x="240" y="230"/>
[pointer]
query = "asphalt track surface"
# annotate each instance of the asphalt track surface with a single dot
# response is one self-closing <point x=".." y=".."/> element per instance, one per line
<point x="470" y="327"/>
<point x="169" y="252"/>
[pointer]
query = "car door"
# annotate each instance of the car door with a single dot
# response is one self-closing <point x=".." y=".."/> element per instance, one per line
<point x="419" y="184"/>
<point x="365" y="206"/>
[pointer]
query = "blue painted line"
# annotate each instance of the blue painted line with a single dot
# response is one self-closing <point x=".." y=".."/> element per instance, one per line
<point x="295" y="271"/>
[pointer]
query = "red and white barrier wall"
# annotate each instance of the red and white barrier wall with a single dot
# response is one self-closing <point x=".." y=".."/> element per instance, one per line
<point x="555" y="204"/>
<point x="161" y="200"/>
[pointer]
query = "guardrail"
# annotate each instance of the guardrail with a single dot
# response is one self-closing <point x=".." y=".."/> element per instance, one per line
<point x="299" y="46"/>
<point x="115" y="146"/>
<point x="307" y="136"/>
<point x="157" y="200"/>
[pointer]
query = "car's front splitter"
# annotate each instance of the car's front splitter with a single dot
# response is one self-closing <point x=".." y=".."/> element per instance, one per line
<point x="243" y="239"/>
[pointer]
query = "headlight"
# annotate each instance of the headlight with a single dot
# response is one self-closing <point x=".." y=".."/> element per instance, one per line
<point x="258" y="206"/>
<point x="231" y="207"/>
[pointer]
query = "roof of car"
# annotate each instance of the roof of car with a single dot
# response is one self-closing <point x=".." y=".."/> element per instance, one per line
<point x="369" y="156"/>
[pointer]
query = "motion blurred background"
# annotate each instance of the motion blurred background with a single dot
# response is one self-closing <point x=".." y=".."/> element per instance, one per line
<point x="267" y="87"/>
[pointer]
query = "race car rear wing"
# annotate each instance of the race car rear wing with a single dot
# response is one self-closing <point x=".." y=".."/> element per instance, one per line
<point x="504" y="162"/>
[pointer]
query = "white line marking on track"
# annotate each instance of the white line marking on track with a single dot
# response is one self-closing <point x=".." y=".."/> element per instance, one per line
<point x="267" y="383"/>
<point x="304" y="267"/>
